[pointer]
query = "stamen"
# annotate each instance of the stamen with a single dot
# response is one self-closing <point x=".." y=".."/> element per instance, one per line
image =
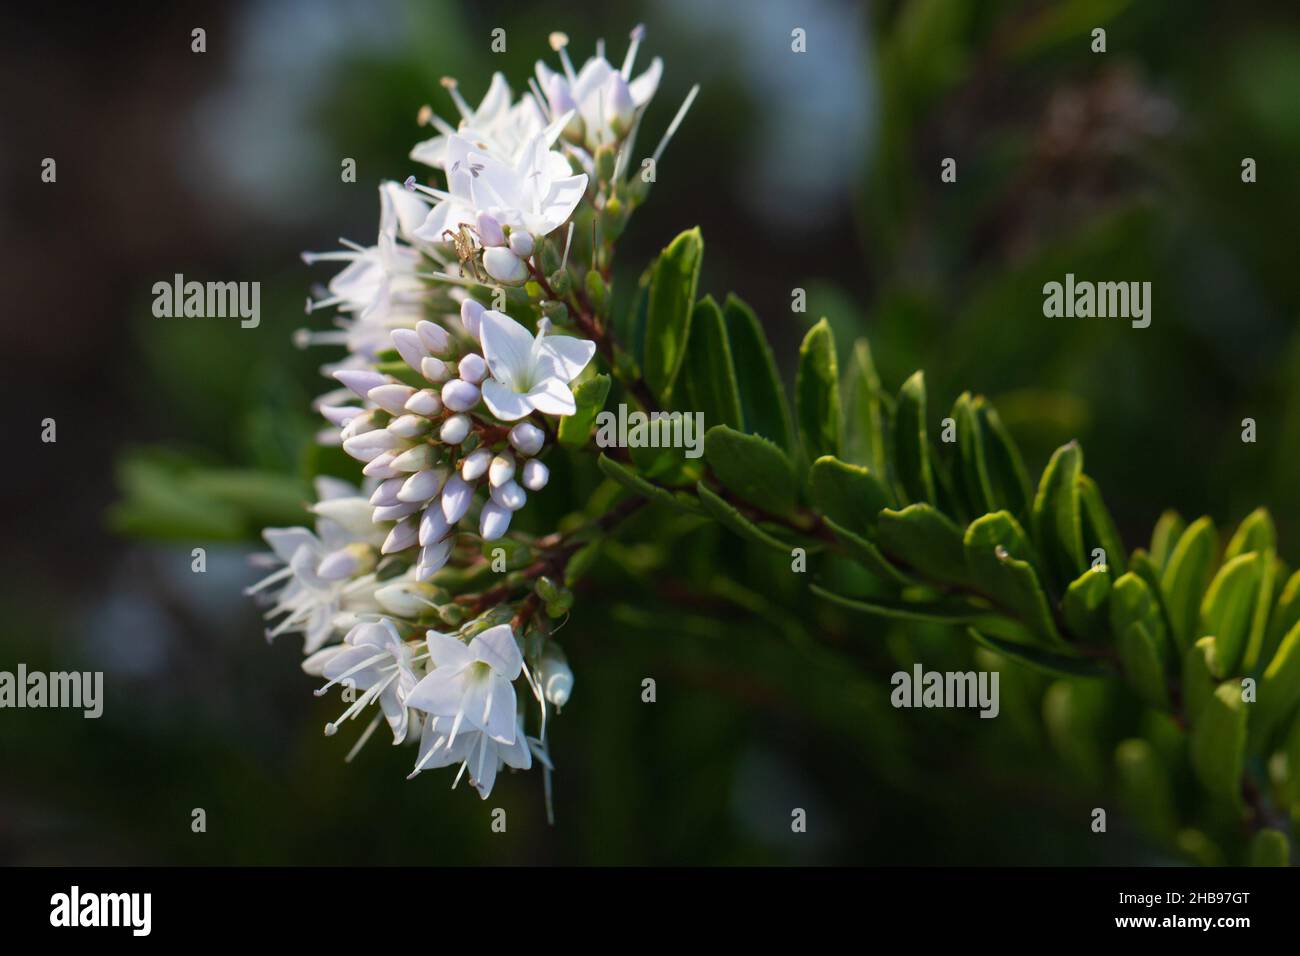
<point x="543" y="103"/>
<point x="416" y="187"/>
<point x="677" y="121"/>
<point x="558" y="43"/>
<point x="564" y="261"/>
<point x="425" y="116"/>
<point x="321" y="692"/>
<point x="449" y="84"/>
<point x="638" y="32"/>
<point x="361" y="742"/>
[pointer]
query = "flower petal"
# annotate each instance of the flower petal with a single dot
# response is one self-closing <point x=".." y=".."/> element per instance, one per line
<point x="507" y="346"/>
<point x="504" y="402"/>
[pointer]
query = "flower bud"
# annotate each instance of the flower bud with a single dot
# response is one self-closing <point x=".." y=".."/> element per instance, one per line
<point x="489" y="231"/>
<point x="385" y="492"/>
<point x="620" y="108"/>
<point x="501" y="470"/>
<point x="395" y="512"/>
<point x="424" y="402"/>
<point x="521" y="244"/>
<point x="459" y="395"/>
<point x="555" y="675"/>
<point x="527" y="438"/>
<point x="536" y="475"/>
<point x="416" y="459"/>
<point x="456" y="498"/>
<point x="471" y="311"/>
<point x="476" y="463"/>
<point x="339" y="415"/>
<point x="361" y="381"/>
<point x="391" y="398"/>
<point x="381" y="466"/>
<point x="433" y="336"/>
<point x="472" y="368"/>
<point x="410" y="426"/>
<point x="402" y="536"/>
<point x="493" y="521"/>
<point x="433" y="524"/>
<point x="403" y="598"/>
<point x="434" y="369"/>
<point x="368" y="445"/>
<point x="409" y="346"/>
<point x="504" y="266"/>
<point x="455" y="429"/>
<point x="509" y="495"/>
<point x="432" y="558"/>
<point x="422" y="485"/>
<point x="353" y="513"/>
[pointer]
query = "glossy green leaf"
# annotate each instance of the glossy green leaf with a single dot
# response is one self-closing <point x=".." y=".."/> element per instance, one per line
<point x="730" y="517"/>
<point x="848" y="494"/>
<point x="1185" y="577"/>
<point x="669" y="308"/>
<point x="1226" y="609"/>
<point x="1279" y="687"/>
<point x="1218" y="742"/>
<point x="590" y="397"/>
<point x="1058" y="516"/>
<point x="911" y="445"/>
<point x="863" y="551"/>
<point x="817" y="394"/>
<point x="1198" y="678"/>
<point x="1006" y="469"/>
<point x="1255" y="533"/>
<point x="1132" y="601"/>
<point x="1169" y="528"/>
<point x="866" y="413"/>
<point x="1257" y="631"/>
<point x="752" y="467"/>
<point x="762" y="399"/>
<point x="944" y="612"/>
<point x="1140" y="656"/>
<point x="630" y="480"/>
<point x="1099" y="529"/>
<point x="970" y="474"/>
<point x="1048" y="662"/>
<point x="1084" y="605"/>
<point x="709" y="375"/>
<point x="925" y="540"/>
<point x="998" y="556"/>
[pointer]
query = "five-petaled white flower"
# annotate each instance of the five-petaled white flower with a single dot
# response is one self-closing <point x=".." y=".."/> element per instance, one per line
<point x="471" y="683"/>
<point x="529" y="373"/>
<point x="374" y="660"/>
<point x="475" y="751"/>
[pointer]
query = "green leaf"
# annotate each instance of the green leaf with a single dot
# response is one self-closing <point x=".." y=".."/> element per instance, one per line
<point x="668" y="311"/>
<point x="1099" y="527"/>
<point x="1169" y="528"/>
<point x="998" y="557"/>
<point x="866" y="415"/>
<point x="1218" y="742"/>
<point x="970" y="473"/>
<point x="1058" y="517"/>
<point x="1258" y="628"/>
<point x="1286" y="611"/>
<point x="1145" y="788"/>
<point x="1132" y="601"/>
<point x="1037" y="658"/>
<point x="867" y="554"/>
<point x="630" y="480"/>
<point x="817" y="393"/>
<point x="1270" y="847"/>
<point x="752" y="467"/>
<point x="590" y="398"/>
<point x="1186" y="574"/>
<point x="580" y="563"/>
<point x="1226" y="610"/>
<point x="848" y="494"/>
<point x="730" y="517"/>
<point x="926" y="540"/>
<point x="911" y="446"/>
<point x="709" y="375"/>
<point x="1144" y="668"/>
<point x="1084" y="606"/>
<point x="944" y="612"/>
<point x="1279" y="688"/>
<point x="1198" y="677"/>
<point x="1255" y="533"/>
<point x="1006" y="469"/>
<point x="762" y="399"/>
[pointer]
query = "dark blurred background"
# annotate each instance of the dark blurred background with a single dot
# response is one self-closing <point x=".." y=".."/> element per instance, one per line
<point x="818" y="171"/>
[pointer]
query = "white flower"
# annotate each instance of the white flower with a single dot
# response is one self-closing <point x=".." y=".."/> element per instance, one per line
<point x="606" y="100"/>
<point x="537" y="193"/>
<point x="497" y="126"/>
<point x="476" y="752"/>
<point x="472" y="683"/>
<point x="374" y="660"/>
<point x="529" y="373"/>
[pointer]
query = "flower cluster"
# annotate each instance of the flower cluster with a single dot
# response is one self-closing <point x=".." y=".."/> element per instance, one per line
<point x="458" y="366"/>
